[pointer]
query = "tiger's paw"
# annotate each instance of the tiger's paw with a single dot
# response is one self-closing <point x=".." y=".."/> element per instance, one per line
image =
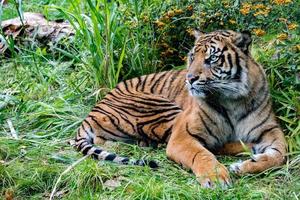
<point x="236" y="167"/>
<point x="216" y="177"/>
<point x="256" y="164"/>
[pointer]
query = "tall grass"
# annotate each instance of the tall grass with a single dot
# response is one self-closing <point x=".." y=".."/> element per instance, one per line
<point x="110" y="47"/>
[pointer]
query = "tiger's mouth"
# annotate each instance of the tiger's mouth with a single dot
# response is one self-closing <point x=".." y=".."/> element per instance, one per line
<point x="197" y="90"/>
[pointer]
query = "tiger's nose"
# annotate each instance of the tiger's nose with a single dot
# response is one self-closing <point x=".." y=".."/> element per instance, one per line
<point x="192" y="78"/>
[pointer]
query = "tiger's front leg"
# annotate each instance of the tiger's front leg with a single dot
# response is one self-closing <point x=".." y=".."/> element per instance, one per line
<point x="268" y="151"/>
<point x="186" y="149"/>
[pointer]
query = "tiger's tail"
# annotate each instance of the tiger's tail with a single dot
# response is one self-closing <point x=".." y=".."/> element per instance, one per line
<point x="84" y="142"/>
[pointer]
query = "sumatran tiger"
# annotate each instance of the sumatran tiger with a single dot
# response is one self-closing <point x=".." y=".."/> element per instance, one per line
<point x="219" y="104"/>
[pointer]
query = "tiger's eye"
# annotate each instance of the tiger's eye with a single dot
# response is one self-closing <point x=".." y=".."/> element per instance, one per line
<point x="191" y="57"/>
<point x="213" y="58"/>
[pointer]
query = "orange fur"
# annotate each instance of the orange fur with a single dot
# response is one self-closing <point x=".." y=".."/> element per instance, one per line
<point x="234" y="148"/>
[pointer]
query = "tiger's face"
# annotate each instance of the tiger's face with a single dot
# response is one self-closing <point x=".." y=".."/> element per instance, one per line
<point x="217" y="65"/>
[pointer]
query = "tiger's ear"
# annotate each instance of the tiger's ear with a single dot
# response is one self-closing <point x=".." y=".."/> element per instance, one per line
<point x="243" y="40"/>
<point x="197" y="34"/>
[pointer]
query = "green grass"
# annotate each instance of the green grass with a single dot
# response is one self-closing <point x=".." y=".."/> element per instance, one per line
<point x="47" y="94"/>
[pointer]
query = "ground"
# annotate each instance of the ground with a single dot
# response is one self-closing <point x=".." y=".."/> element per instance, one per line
<point x="44" y="96"/>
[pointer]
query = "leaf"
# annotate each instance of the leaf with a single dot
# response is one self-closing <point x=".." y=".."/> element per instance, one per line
<point x="9" y="194"/>
<point x="113" y="183"/>
<point x="247" y="150"/>
<point x="35" y="27"/>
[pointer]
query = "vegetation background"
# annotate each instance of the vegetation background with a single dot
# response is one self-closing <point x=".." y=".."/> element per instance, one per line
<point x="46" y="90"/>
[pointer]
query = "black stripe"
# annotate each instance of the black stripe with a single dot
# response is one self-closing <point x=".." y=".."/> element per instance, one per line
<point x="131" y="83"/>
<point x="199" y="138"/>
<point x="166" y="134"/>
<point x="86" y="149"/>
<point x="148" y="98"/>
<point x="209" y="132"/>
<point x="265" y="107"/>
<point x="87" y="137"/>
<point x="149" y="107"/>
<point x="222" y="58"/>
<point x="164" y="83"/>
<point x="215" y="73"/>
<point x="195" y="157"/>
<point x="214" y="48"/>
<point x="98" y="109"/>
<point x="144" y="83"/>
<point x="125" y="161"/>
<point x="77" y="140"/>
<point x="78" y="133"/>
<point x="228" y="73"/>
<point x="173" y="94"/>
<point x="263" y="133"/>
<point x="101" y="137"/>
<point x="207" y="116"/>
<point x="124" y="117"/>
<point x="82" y="144"/>
<point x="260" y="124"/>
<point x="150" y="112"/>
<point x="127" y="107"/>
<point x="139" y="163"/>
<point x="98" y="151"/>
<point x="160" y="117"/>
<point x="219" y="109"/>
<point x="90" y="139"/>
<point x="152" y="79"/>
<point x="154" y="99"/>
<point x="158" y="123"/>
<point x="174" y="76"/>
<point x="121" y="108"/>
<point x="118" y="127"/>
<point x="237" y="75"/>
<point x="154" y="133"/>
<point x="141" y="133"/>
<point x="263" y="149"/>
<point x="148" y="103"/>
<point x="158" y="120"/>
<point x="157" y="81"/>
<point x="126" y="86"/>
<point x="110" y="157"/>
<point x="275" y="149"/>
<point x="224" y="49"/>
<point x="90" y="126"/>
<point x="229" y="60"/>
<point x="254" y="105"/>
<point x="95" y="156"/>
<point x="92" y="117"/>
<point x="253" y="149"/>
<point x="138" y="83"/>
<point x="152" y="164"/>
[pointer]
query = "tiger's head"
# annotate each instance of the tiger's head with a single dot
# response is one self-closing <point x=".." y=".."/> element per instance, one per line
<point x="218" y="65"/>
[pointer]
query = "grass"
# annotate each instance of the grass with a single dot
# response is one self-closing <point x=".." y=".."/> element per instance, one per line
<point x="47" y="94"/>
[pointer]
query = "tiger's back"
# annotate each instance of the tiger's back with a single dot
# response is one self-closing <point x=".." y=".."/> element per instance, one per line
<point x="140" y="110"/>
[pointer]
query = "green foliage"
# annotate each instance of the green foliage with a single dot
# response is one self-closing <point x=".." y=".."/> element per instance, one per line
<point x="115" y="44"/>
<point x="46" y="94"/>
<point x="178" y="19"/>
<point x="281" y="61"/>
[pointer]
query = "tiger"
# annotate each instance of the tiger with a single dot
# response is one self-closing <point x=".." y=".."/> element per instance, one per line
<point x="219" y="104"/>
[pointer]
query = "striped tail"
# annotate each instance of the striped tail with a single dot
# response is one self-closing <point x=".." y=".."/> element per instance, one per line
<point x="86" y="146"/>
